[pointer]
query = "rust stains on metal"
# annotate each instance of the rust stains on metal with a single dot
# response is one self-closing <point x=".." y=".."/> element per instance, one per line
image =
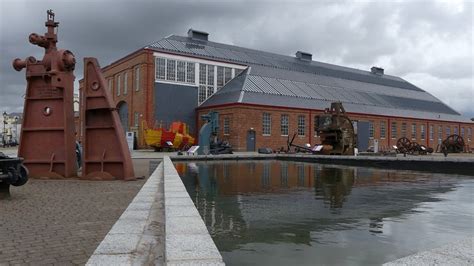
<point x="106" y="154"/>
<point x="47" y="136"/>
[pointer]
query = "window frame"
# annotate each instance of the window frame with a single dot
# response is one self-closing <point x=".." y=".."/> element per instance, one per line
<point x="414" y="133"/>
<point x="119" y="81"/>
<point x="171" y="70"/>
<point x="226" y="126"/>
<point x="136" y="119"/>
<point x="284" y="124"/>
<point x="393" y="130"/>
<point x="383" y="130"/>
<point x="137" y="78"/>
<point x="202" y="92"/>
<point x="422" y="132"/>
<point x="301" y="126"/>
<point x="160" y="68"/>
<point x="181" y="71"/>
<point x="431" y="132"/>
<point x="404" y="130"/>
<point x="266" y="124"/>
<point x="125" y="83"/>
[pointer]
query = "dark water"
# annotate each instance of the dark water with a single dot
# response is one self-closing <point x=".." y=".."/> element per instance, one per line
<point x="285" y="213"/>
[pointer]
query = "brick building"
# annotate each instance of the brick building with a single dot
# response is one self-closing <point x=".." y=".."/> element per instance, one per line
<point x="263" y="97"/>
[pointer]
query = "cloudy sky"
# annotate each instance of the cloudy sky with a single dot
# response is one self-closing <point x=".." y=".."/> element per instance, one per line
<point x="428" y="43"/>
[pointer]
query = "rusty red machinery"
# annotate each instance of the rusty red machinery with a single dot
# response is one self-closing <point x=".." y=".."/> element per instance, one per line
<point x="453" y="144"/>
<point x="106" y="154"/>
<point x="336" y="131"/>
<point x="48" y="142"/>
<point x="47" y="135"/>
<point x="404" y="145"/>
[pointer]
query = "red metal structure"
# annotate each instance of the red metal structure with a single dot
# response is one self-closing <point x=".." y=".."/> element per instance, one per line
<point x="47" y="135"/>
<point x="106" y="154"/>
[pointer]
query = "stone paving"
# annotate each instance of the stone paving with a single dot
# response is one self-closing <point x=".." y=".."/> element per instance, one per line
<point x="457" y="253"/>
<point x="60" y="222"/>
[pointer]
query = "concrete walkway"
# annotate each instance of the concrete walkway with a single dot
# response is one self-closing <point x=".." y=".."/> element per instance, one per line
<point x="459" y="253"/>
<point x="137" y="238"/>
<point x="161" y="226"/>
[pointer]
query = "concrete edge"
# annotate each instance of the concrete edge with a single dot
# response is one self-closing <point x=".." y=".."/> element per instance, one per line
<point x="457" y="253"/>
<point x="187" y="240"/>
<point x="124" y="243"/>
<point x="452" y="165"/>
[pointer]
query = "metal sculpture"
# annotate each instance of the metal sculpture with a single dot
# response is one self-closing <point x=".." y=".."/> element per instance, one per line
<point x="12" y="172"/>
<point x="208" y="141"/>
<point x="404" y="145"/>
<point x="176" y="138"/>
<point x="298" y="148"/>
<point x="336" y="131"/>
<point x="106" y="154"/>
<point x="452" y="144"/>
<point x="47" y="135"/>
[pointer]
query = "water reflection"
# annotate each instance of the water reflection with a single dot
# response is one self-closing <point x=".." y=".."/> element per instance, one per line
<point x="274" y="202"/>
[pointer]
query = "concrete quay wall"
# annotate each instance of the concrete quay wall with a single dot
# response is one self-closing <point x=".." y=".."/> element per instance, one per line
<point x="161" y="226"/>
<point x="438" y="164"/>
<point x="187" y="240"/>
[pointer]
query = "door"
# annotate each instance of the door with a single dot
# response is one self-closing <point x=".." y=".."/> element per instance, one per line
<point x="123" y="114"/>
<point x="251" y="140"/>
<point x="363" y="135"/>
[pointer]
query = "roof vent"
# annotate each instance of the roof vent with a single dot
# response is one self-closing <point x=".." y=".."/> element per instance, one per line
<point x="377" y="70"/>
<point x="198" y="35"/>
<point x="304" y="56"/>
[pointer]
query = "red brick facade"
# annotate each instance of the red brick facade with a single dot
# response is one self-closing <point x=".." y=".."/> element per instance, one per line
<point x="245" y="117"/>
<point x="138" y="98"/>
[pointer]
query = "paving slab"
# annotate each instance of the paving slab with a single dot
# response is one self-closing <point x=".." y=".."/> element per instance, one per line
<point x="48" y="215"/>
<point x="458" y="253"/>
<point x="201" y="247"/>
<point x="187" y="240"/>
<point x="137" y="235"/>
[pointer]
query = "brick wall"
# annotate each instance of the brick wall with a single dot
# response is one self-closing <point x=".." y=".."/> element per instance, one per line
<point x="138" y="98"/>
<point x="248" y="117"/>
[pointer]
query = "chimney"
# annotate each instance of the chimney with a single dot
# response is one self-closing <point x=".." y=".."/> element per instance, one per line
<point x="198" y="35"/>
<point x="377" y="70"/>
<point x="304" y="56"/>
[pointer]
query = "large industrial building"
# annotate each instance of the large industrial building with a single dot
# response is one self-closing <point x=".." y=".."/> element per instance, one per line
<point x="262" y="98"/>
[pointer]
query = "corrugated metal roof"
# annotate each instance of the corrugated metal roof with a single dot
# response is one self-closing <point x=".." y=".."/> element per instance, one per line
<point x="286" y="93"/>
<point x="287" y="81"/>
<point x="250" y="56"/>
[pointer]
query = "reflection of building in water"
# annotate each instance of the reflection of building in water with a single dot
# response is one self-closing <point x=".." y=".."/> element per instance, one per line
<point x="284" y="201"/>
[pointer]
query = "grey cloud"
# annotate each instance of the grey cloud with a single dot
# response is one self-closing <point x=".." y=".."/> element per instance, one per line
<point x="394" y="35"/>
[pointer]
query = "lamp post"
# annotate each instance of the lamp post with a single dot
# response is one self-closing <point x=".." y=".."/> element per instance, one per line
<point x="4" y="129"/>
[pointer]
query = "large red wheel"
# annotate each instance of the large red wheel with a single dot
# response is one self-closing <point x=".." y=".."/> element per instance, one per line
<point x="454" y="144"/>
<point x="403" y="145"/>
<point x="415" y="147"/>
